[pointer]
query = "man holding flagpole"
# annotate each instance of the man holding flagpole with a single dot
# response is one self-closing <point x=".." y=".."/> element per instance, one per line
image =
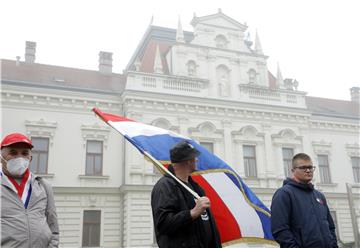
<point x="28" y="216"/>
<point x="179" y="219"/>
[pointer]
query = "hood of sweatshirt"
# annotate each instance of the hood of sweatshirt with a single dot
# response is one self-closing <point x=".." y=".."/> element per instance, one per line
<point x="303" y="186"/>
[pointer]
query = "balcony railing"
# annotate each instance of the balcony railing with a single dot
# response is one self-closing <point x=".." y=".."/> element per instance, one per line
<point x="259" y="92"/>
<point x="182" y="85"/>
<point x="166" y="82"/>
<point x="264" y="94"/>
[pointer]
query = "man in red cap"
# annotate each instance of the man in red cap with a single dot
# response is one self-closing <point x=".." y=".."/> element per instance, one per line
<point x="28" y="215"/>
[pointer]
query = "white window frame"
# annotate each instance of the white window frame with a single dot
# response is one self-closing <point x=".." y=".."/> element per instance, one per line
<point x="34" y="152"/>
<point x="246" y="169"/>
<point x="324" y="169"/>
<point x="287" y="167"/>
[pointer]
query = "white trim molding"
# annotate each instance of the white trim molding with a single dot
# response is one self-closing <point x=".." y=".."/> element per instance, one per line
<point x="95" y="132"/>
<point x="41" y="128"/>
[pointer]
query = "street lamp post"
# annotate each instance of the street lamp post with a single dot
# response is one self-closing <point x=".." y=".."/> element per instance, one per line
<point x="353" y="214"/>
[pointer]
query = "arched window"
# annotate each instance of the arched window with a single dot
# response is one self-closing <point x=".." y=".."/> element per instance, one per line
<point x="252" y="76"/>
<point x="161" y="123"/>
<point x="207" y="128"/>
<point x="249" y="131"/>
<point x="287" y="134"/>
<point x="221" y="41"/>
<point x="191" y="66"/>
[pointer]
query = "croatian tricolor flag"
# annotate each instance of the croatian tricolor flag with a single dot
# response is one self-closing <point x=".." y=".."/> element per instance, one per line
<point x="240" y="216"/>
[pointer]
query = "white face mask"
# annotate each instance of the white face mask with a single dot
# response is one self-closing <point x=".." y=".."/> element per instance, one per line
<point x="17" y="166"/>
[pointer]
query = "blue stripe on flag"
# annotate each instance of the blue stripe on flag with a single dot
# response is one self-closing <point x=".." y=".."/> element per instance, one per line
<point x="158" y="145"/>
<point x="266" y="223"/>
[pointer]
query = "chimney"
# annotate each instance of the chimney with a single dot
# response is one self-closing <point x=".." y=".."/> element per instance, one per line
<point x="30" y="51"/>
<point x="17" y="60"/>
<point x="355" y="94"/>
<point x="105" y="62"/>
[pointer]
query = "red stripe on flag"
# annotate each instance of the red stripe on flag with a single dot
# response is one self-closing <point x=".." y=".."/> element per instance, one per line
<point x="110" y="117"/>
<point x="227" y="225"/>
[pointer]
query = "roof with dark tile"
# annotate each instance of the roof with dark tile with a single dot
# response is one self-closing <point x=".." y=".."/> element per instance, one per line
<point x="148" y="59"/>
<point x="272" y="80"/>
<point x="333" y="107"/>
<point x="61" y="77"/>
<point x="145" y="52"/>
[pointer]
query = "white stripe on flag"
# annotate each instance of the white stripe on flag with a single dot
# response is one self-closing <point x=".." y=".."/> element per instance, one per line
<point x="133" y="129"/>
<point x="246" y="216"/>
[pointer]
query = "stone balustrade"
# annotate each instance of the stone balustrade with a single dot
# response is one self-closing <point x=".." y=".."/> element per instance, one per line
<point x="188" y="86"/>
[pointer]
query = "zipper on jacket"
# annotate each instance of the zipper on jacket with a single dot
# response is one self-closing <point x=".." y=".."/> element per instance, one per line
<point x="314" y="205"/>
<point x="28" y="227"/>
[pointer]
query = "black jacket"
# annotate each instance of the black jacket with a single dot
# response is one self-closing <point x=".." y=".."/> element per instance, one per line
<point x="300" y="217"/>
<point x="174" y="227"/>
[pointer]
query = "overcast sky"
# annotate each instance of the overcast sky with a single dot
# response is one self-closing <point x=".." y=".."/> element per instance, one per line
<point x="315" y="41"/>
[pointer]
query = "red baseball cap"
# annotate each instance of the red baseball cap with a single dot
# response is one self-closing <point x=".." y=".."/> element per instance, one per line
<point x="14" y="138"/>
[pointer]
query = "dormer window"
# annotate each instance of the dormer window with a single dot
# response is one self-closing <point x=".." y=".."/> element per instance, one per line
<point x="252" y="76"/>
<point x="221" y="41"/>
<point x="191" y="65"/>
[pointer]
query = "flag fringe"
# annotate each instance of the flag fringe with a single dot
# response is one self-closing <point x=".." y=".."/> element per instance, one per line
<point x="241" y="187"/>
<point x="251" y="240"/>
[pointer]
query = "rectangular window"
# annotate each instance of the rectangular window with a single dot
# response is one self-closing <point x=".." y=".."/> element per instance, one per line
<point x="324" y="169"/>
<point x="208" y="145"/>
<point x="250" y="161"/>
<point x="91" y="228"/>
<point x="40" y="154"/>
<point x="288" y="154"/>
<point x="355" y="161"/>
<point x="94" y="158"/>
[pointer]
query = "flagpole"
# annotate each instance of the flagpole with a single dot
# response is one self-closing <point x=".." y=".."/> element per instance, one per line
<point x="157" y="162"/>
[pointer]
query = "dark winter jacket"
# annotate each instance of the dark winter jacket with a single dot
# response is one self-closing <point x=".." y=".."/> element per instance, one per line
<point x="300" y="217"/>
<point x="174" y="227"/>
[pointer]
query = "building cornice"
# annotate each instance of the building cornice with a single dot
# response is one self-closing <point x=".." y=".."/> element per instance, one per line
<point x="211" y="102"/>
<point x="335" y="125"/>
<point x="217" y="108"/>
<point x="336" y="116"/>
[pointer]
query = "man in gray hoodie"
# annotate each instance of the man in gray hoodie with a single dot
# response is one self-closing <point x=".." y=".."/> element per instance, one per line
<point x="28" y="215"/>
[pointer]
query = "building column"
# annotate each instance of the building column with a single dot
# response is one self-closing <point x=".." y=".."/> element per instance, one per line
<point x="183" y="128"/>
<point x="306" y="142"/>
<point x="269" y="158"/>
<point x="239" y="166"/>
<point x="228" y="146"/>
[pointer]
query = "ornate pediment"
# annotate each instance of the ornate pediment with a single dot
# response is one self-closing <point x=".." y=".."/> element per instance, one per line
<point x="218" y="20"/>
